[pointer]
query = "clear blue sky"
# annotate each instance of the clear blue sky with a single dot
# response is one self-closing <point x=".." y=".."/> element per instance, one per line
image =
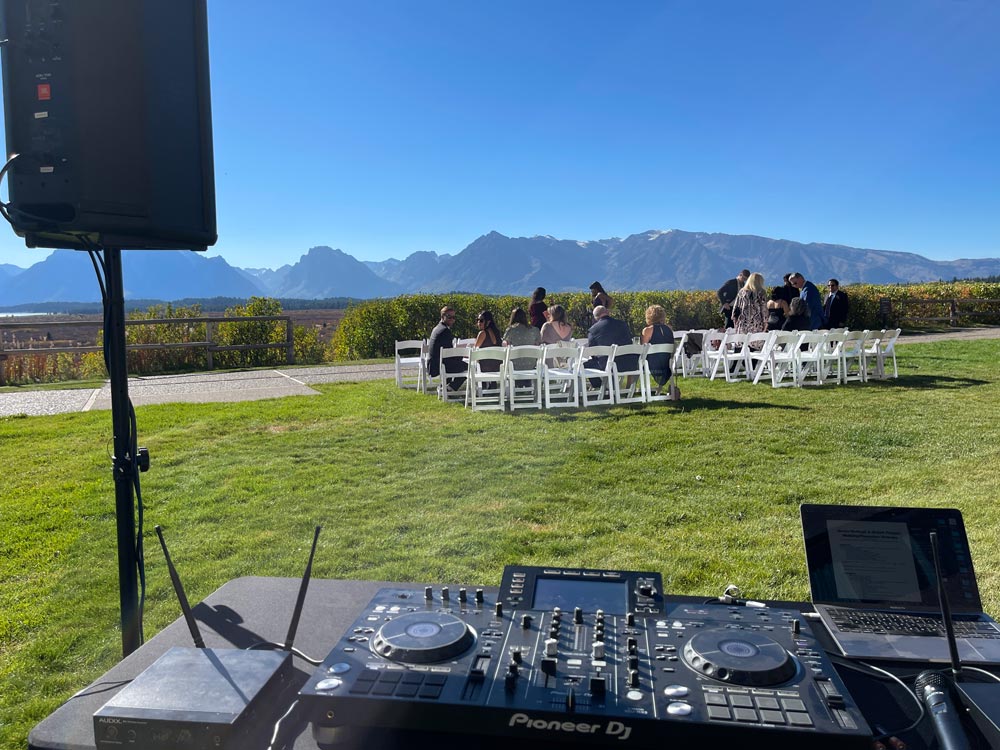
<point x="386" y="127"/>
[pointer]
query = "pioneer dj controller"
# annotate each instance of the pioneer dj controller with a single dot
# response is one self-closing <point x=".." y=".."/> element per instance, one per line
<point x="578" y="656"/>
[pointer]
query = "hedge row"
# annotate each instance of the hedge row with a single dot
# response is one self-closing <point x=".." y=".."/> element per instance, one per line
<point x="370" y="329"/>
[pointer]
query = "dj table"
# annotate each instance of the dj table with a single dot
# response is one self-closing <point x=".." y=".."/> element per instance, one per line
<point x="246" y="611"/>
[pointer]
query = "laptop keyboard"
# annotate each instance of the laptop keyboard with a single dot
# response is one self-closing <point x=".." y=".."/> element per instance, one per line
<point x="890" y="623"/>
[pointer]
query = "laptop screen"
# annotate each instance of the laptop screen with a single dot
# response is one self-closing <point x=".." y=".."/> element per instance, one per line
<point x="882" y="557"/>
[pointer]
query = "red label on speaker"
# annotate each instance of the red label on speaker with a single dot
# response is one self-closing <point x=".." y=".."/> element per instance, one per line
<point x="44" y="92"/>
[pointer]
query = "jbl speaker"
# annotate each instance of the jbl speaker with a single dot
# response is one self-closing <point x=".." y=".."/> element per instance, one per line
<point x="107" y="106"/>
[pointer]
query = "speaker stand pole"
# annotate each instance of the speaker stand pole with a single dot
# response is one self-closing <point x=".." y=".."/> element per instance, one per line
<point x="123" y="461"/>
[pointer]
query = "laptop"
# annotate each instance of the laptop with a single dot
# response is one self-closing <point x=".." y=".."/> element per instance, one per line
<point x="871" y="574"/>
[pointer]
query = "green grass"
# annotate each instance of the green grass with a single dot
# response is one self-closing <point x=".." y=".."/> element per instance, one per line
<point x="705" y="491"/>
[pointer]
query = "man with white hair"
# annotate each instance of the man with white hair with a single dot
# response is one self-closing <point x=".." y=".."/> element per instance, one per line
<point x="605" y="332"/>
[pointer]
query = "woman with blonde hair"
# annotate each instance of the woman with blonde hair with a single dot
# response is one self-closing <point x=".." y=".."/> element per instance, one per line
<point x="750" y="307"/>
<point x="657" y="332"/>
<point x="556" y="330"/>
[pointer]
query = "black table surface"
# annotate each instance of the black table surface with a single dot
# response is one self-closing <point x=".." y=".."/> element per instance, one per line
<point x="248" y="610"/>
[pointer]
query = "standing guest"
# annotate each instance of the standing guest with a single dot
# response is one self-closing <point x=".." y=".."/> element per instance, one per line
<point x="835" y="307"/>
<point x="605" y="332"/>
<point x="443" y="338"/>
<point x="790" y="291"/>
<point x="537" y="308"/>
<point x="809" y="294"/>
<point x="777" y="309"/>
<point x="727" y="295"/>
<point x="798" y="318"/>
<point x="750" y="306"/>
<point x="557" y="329"/>
<point x="599" y="297"/>
<point x="519" y="333"/>
<point x="657" y="332"/>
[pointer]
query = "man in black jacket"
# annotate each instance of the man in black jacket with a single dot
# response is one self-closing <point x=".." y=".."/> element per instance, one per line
<point x="605" y="332"/>
<point x="442" y="338"/>
<point x="835" y="306"/>
<point x="727" y="294"/>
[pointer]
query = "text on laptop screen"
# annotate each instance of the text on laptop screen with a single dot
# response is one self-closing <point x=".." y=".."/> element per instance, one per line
<point x="882" y="556"/>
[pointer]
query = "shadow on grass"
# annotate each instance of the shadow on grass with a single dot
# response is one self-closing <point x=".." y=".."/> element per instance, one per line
<point x="675" y="407"/>
<point x="928" y="382"/>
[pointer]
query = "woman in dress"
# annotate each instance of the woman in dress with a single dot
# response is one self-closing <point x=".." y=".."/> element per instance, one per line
<point x="557" y="329"/>
<point x="599" y="296"/>
<point x="657" y="332"/>
<point x="750" y="306"/>
<point x="777" y="309"/>
<point x="489" y="335"/>
<point x="519" y="333"/>
<point x="537" y="308"/>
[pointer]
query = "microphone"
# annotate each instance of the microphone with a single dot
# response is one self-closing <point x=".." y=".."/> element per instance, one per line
<point x="932" y="689"/>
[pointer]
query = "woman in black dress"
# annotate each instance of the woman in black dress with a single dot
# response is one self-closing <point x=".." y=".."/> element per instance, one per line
<point x="777" y="309"/>
<point x="537" y="308"/>
<point x="599" y="296"/>
<point x="657" y="332"/>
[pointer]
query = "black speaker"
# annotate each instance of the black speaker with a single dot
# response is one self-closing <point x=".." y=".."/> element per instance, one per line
<point x="107" y="106"/>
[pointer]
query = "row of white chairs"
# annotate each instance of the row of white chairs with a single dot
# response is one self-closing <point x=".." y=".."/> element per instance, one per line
<point x="549" y="376"/>
<point x="798" y="357"/>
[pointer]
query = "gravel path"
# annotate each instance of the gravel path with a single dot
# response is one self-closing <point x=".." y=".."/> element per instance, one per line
<point x="252" y="385"/>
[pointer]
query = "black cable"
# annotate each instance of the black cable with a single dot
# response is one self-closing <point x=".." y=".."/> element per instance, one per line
<point x="877" y="672"/>
<point x="131" y="438"/>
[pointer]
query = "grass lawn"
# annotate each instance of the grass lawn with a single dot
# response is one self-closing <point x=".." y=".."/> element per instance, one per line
<point x="705" y="491"/>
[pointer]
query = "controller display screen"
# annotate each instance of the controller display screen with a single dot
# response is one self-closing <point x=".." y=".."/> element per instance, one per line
<point x="590" y="596"/>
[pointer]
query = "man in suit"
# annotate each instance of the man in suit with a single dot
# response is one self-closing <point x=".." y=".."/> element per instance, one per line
<point x="835" y="306"/>
<point x="727" y="295"/>
<point x="443" y="338"/>
<point x="605" y="332"/>
<point x="810" y="295"/>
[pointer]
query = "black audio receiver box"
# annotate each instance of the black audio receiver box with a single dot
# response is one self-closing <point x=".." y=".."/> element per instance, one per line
<point x="195" y="698"/>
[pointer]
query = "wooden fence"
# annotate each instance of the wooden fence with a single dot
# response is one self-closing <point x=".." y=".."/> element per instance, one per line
<point x="210" y="346"/>
<point x="950" y="311"/>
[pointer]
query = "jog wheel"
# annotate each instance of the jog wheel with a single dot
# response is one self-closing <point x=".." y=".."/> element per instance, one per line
<point x="423" y="637"/>
<point x="741" y="658"/>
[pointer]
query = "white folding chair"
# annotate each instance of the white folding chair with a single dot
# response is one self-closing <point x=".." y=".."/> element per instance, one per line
<point x="630" y="372"/>
<point x="886" y="350"/>
<point x="603" y="392"/>
<point x="829" y="358"/>
<point x="852" y="353"/>
<point x="809" y="357"/>
<point x="523" y="376"/>
<point x="782" y="361"/>
<point x="869" y="352"/>
<point x="561" y="375"/>
<point x="757" y="349"/>
<point x="410" y="363"/>
<point x="675" y="364"/>
<point x="453" y="384"/>
<point x="654" y="391"/>
<point x="486" y="387"/>
<point x="714" y="351"/>
<point x="733" y="358"/>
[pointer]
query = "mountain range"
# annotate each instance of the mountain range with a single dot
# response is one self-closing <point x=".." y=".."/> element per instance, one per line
<point x="492" y="264"/>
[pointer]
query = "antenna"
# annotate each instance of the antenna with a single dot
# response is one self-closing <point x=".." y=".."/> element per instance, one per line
<point x="949" y="628"/>
<point x="179" y="590"/>
<point x="301" y="600"/>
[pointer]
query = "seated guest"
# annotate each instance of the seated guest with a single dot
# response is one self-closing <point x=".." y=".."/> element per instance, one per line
<point x="537" y="308"/>
<point x="599" y="296"/>
<point x="443" y="338"/>
<point x="489" y="335"/>
<point x="519" y="333"/>
<point x="557" y="329"/>
<point x="657" y="332"/>
<point x="798" y="320"/>
<point x="777" y="309"/>
<point x="750" y="306"/>
<point x="605" y="332"/>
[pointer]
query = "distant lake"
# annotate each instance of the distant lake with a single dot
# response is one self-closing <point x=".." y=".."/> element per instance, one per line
<point x="22" y="314"/>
